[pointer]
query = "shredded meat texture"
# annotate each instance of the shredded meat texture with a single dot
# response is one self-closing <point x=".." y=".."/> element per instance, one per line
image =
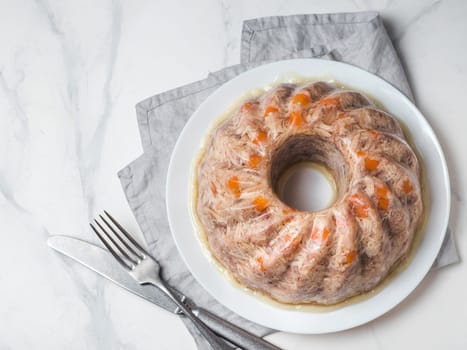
<point x="302" y="257"/>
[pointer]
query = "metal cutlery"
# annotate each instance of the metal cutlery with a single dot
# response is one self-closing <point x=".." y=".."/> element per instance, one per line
<point x="103" y="263"/>
<point x="146" y="270"/>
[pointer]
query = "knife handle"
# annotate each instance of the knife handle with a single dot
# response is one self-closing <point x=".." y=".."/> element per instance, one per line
<point x="233" y="333"/>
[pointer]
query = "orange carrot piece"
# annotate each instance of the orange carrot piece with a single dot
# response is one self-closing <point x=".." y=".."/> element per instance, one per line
<point x="361" y="153"/>
<point x="350" y="257"/>
<point x="361" y="211"/>
<point x="261" y="137"/>
<point x="329" y="101"/>
<point x="315" y="234"/>
<point x="320" y="234"/>
<point x="325" y="233"/>
<point x="247" y="106"/>
<point x="301" y="98"/>
<point x="295" y="118"/>
<point x="407" y="187"/>
<point x="381" y="191"/>
<point x="254" y="160"/>
<point x="269" y="110"/>
<point x="383" y="203"/>
<point x="359" y="205"/>
<point x="287" y="211"/>
<point x="234" y="185"/>
<point x="260" y="203"/>
<point x="260" y="262"/>
<point x="296" y="241"/>
<point x="371" y="164"/>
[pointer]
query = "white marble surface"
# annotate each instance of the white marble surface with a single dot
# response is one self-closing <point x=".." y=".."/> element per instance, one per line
<point x="70" y="75"/>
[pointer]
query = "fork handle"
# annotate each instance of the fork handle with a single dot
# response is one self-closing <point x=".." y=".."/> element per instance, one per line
<point x="214" y="341"/>
<point x="231" y="332"/>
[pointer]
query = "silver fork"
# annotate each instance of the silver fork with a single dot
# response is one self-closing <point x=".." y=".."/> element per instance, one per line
<point x="145" y="270"/>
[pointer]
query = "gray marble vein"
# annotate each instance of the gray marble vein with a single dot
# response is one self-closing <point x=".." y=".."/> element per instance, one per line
<point x="88" y="149"/>
<point x="231" y="40"/>
<point x="17" y="140"/>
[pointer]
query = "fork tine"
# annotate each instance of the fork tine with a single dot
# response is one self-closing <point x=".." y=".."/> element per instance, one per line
<point x="125" y="232"/>
<point x="110" y="249"/>
<point x="135" y="252"/>
<point x="118" y="246"/>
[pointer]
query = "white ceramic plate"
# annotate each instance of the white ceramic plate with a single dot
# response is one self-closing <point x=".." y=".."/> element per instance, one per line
<point x="243" y="303"/>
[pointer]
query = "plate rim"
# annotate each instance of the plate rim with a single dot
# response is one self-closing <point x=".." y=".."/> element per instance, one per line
<point x="371" y="314"/>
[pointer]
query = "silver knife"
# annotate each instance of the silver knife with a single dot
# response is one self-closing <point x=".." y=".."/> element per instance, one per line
<point x="100" y="261"/>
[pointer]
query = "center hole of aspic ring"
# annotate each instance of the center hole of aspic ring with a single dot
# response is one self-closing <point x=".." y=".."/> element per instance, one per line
<point x="307" y="186"/>
<point x="308" y="173"/>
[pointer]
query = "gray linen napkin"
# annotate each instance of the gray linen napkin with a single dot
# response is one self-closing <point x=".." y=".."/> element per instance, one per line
<point x="355" y="38"/>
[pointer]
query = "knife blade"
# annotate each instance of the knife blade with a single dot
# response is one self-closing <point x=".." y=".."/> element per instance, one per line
<point x="99" y="260"/>
<point x="102" y="262"/>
